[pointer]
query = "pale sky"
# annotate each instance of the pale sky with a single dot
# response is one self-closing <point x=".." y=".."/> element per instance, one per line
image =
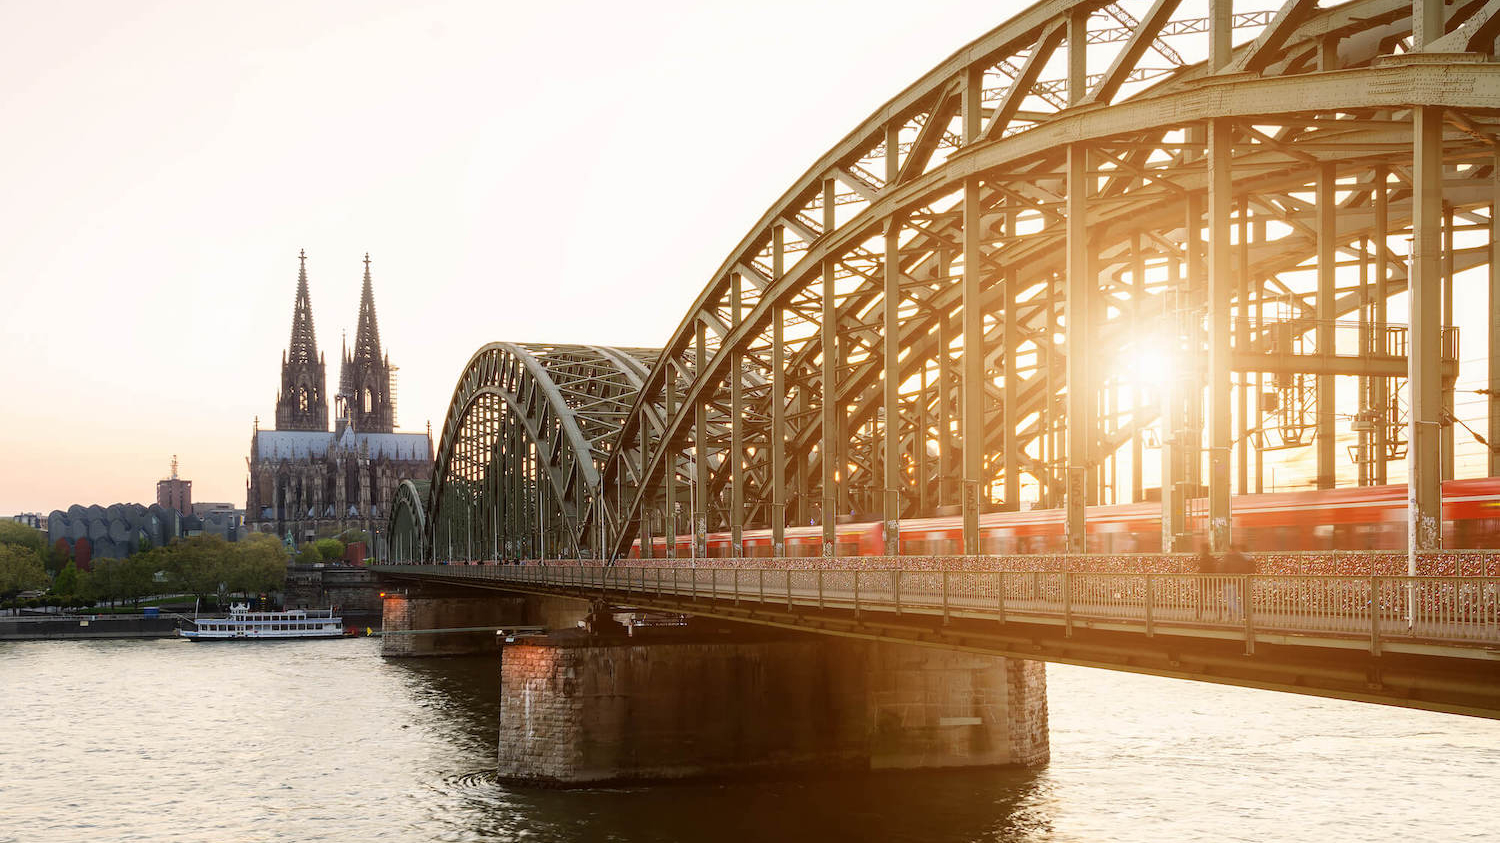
<point x="518" y="171"/>
<point x="523" y="172"/>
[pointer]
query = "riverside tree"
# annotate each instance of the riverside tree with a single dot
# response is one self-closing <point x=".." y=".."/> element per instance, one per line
<point x="20" y="569"/>
<point x="208" y="565"/>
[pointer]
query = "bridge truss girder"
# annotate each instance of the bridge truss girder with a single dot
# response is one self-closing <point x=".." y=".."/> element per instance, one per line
<point x="517" y="466"/>
<point x="1205" y="208"/>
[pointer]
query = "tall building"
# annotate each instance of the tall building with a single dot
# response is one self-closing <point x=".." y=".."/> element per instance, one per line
<point x="307" y="481"/>
<point x="174" y="492"/>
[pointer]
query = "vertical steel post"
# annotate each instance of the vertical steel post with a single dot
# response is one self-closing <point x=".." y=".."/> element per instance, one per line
<point x="736" y="461"/>
<point x="1195" y="290"/>
<point x="972" y="418"/>
<point x="1176" y="390"/>
<point x="1138" y="399"/>
<point x="1380" y="391"/>
<point x="1077" y="293"/>
<point x="1366" y="348"/>
<point x="920" y="441"/>
<point x="1448" y="427"/>
<point x="778" y="405"/>
<point x="1046" y="422"/>
<point x="1221" y="284"/>
<point x="1426" y="22"/>
<point x="698" y="494"/>
<point x="1078" y="51"/>
<point x="647" y="542"/>
<point x="829" y="450"/>
<point x="946" y="469"/>
<point x="890" y="327"/>
<point x="1242" y="342"/>
<point x="1010" y="443"/>
<point x="1493" y="463"/>
<point x="669" y="473"/>
<point x="1078" y="409"/>
<point x="1258" y="235"/>
<point x="1424" y="484"/>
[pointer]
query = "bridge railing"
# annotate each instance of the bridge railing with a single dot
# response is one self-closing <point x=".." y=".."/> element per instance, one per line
<point x="1377" y="609"/>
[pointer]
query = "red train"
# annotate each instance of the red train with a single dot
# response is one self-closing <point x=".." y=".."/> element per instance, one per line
<point x="1357" y="518"/>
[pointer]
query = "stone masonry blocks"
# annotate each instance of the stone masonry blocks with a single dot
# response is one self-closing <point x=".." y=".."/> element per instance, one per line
<point x="576" y="711"/>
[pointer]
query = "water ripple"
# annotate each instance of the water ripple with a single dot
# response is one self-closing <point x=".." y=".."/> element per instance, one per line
<point x="312" y="741"/>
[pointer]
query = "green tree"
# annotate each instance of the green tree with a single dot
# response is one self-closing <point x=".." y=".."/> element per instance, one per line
<point x="197" y="565"/>
<point x="20" y="570"/>
<point x="103" y="582"/>
<point x="65" y="584"/>
<point x="330" y="550"/>
<point x="138" y="574"/>
<point x="263" y="559"/>
<point x="22" y="535"/>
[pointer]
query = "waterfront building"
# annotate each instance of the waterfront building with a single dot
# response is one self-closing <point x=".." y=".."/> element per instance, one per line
<point x="307" y="481"/>
<point x="86" y="533"/>
<point x="35" y="520"/>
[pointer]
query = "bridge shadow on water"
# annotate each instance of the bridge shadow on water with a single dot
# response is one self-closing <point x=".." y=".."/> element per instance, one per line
<point x="992" y="804"/>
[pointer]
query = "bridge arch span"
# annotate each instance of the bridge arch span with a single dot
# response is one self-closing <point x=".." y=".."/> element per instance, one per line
<point x="517" y="464"/>
<point x="1088" y="183"/>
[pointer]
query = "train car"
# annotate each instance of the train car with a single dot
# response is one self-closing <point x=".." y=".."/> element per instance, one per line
<point x="1356" y="518"/>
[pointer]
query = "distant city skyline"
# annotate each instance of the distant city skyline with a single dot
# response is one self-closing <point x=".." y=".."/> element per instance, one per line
<point x="495" y="162"/>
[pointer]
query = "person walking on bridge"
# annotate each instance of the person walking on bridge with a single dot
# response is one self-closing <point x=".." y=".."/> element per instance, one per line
<point x="1238" y="566"/>
<point x="1205" y="565"/>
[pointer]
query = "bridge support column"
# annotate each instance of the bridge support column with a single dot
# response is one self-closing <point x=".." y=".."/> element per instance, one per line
<point x="578" y="711"/>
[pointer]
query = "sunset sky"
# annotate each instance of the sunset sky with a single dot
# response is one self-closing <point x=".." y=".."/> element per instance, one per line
<point x="522" y="172"/>
<point x="528" y="172"/>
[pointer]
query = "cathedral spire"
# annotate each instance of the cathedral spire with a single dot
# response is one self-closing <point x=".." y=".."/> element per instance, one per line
<point x="302" y="403"/>
<point x="367" y="334"/>
<point x="365" y="378"/>
<point x="304" y="345"/>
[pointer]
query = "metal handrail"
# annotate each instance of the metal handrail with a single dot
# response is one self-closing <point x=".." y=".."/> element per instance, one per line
<point x="1381" y="610"/>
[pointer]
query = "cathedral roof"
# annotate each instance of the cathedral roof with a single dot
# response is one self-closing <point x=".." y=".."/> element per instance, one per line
<point x="304" y="444"/>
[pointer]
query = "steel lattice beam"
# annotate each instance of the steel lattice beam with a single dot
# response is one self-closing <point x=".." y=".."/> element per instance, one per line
<point x="938" y="297"/>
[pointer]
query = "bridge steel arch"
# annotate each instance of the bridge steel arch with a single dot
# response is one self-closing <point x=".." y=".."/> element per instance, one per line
<point x="929" y="319"/>
<point x="517" y="465"/>
<point x="407" y="535"/>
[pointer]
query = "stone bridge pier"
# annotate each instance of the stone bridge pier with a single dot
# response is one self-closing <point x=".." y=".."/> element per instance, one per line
<point x="577" y="710"/>
<point x="599" y="701"/>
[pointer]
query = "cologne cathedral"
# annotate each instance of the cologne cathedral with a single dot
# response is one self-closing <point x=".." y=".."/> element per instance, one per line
<point x="307" y="481"/>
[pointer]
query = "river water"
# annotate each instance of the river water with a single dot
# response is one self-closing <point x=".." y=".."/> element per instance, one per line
<point x="325" y="740"/>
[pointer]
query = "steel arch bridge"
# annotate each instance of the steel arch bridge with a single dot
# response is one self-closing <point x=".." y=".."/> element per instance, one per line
<point x="931" y="320"/>
<point x="517" y="466"/>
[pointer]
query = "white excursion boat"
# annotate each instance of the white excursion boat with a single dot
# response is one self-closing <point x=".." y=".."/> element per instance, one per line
<point x="243" y="625"/>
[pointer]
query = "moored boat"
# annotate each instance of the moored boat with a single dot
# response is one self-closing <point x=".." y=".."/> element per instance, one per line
<point x="245" y="625"/>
